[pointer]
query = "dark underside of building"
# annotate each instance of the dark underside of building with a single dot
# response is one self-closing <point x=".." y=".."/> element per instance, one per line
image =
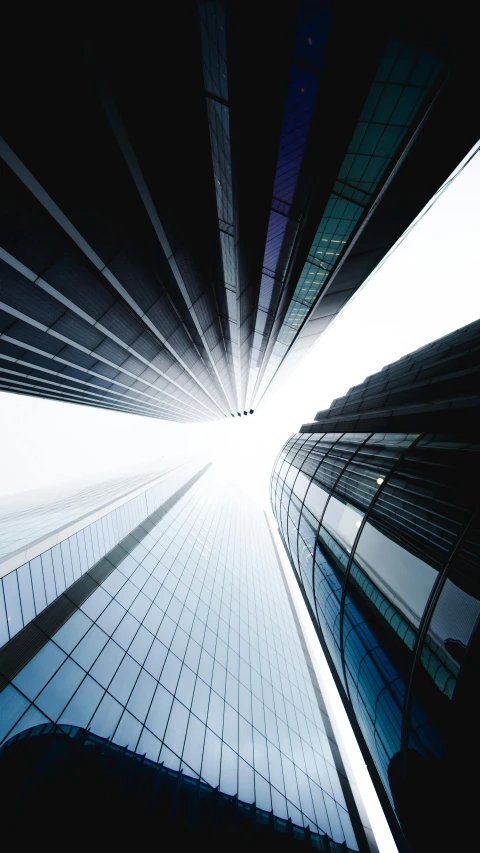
<point x="63" y="780"/>
<point x="190" y="197"/>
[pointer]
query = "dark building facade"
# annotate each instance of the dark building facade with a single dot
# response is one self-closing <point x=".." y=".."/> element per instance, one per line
<point x="151" y="658"/>
<point x="177" y="228"/>
<point x="377" y="503"/>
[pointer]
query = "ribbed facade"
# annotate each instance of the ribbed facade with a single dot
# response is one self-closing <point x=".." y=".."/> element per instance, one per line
<point x="382" y="526"/>
<point x="164" y="631"/>
<point x="176" y="227"/>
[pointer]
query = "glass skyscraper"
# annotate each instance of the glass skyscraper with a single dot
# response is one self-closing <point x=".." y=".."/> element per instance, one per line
<point x="178" y="261"/>
<point x="156" y="629"/>
<point x="377" y="504"/>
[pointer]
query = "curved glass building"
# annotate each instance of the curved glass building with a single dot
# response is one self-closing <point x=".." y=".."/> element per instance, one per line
<point x="377" y="510"/>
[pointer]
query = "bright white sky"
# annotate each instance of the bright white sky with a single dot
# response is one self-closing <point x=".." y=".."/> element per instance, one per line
<point x="428" y="287"/>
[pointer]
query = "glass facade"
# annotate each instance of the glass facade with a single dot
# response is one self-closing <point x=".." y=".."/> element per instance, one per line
<point x="403" y="79"/>
<point x="214" y="59"/>
<point x="384" y="535"/>
<point x="310" y="41"/>
<point x="181" y="644"/>
<point x="81" y="525"/>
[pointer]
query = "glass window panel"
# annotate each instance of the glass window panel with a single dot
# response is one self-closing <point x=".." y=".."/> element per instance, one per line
<point x="342" y="521"/>
<point x="215" y="714"/>
<point x="96" y="603"/>
<point x="75" y="555"/>
<point x="150" y="745"/>
<point x="105" y="667"/>
<point x="72" y="631"/>
<point x="32" y="717"/>
<point x="192" y="654"/>
<point x="90" y="647"/>
<point x="245" y="740"/>
<point x="83" y="704"/>
<point x="211" y="759"/>
<point x="4" y="635"/>
<point x="35" y="674"/>
<point x="301" y="485"/>
<point x="127" y="594"/>
<point x="179" y="643"/>
<point x="106" y="717"/>
<point x="290" y="781"/>
<point x="337" y="828"/>
<point x="171" y="672"/>
<point x="128" y="565"/>
<point x="12" y="602"/>
<point x="315" y="499"/>
<point x="230" y="727"/>
<point x="246" y="785"/>
<point x="228" y="774"/>
<point x="26" y="593"/>
<point x="111" y="616"/>
<point x="403" y="577"/>
<point x="126" y="631"/>
<point x="139" y="702"/>
<point x="262" y="793"/>
<point x="185" y="687"/>
<point x="153" y="619"/>
<point x="48" y="576"/>
<point x="82" y="551"/>
<point x="125" y="677"/>
<point x="13" y="706"/>
<point x="38" y="584"/>
<point x="166" y="631"/>
<point x="260" y="753"/>
<point x="141" y="645"/>
<point x="258" y="715"/>
<point x="156" y="658"/>
<point x="128" y="731"/>
<point x="201" y="699"/>
<point x="305" y="795"/>
<point x="67" y="562"/>
<point x="114" y="583"/>
<point x="193" y="748"/>
<point x="57" y="693"/>
<point x="159" y="711"/>
<point x="56" y="555"/>
<point x="176" y="728"/>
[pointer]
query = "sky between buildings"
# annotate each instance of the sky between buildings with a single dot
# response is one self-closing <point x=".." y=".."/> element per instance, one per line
<point x="428" y="286"/>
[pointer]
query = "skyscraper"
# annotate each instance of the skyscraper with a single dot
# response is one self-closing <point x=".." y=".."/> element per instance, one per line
<point x="377" y="504"/>
<point x="154" y="653"/>
<point x="178" y="227"/>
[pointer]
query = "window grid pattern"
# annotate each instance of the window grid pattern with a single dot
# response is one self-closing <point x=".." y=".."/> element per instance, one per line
<point x="212" y="29"/>
<point x="27" y="590"/>
<point x="309" y="47"/>
<point x="372" y="543"/>
<point x="189" y="653"/>
<point x="402" y="82"/>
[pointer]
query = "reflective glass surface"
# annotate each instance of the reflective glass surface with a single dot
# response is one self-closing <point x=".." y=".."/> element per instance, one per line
<point x="402" y="81"/>
<point x="26" y="591"/>
<point x="189" y="652"/>
<point x="384" y="538"/>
